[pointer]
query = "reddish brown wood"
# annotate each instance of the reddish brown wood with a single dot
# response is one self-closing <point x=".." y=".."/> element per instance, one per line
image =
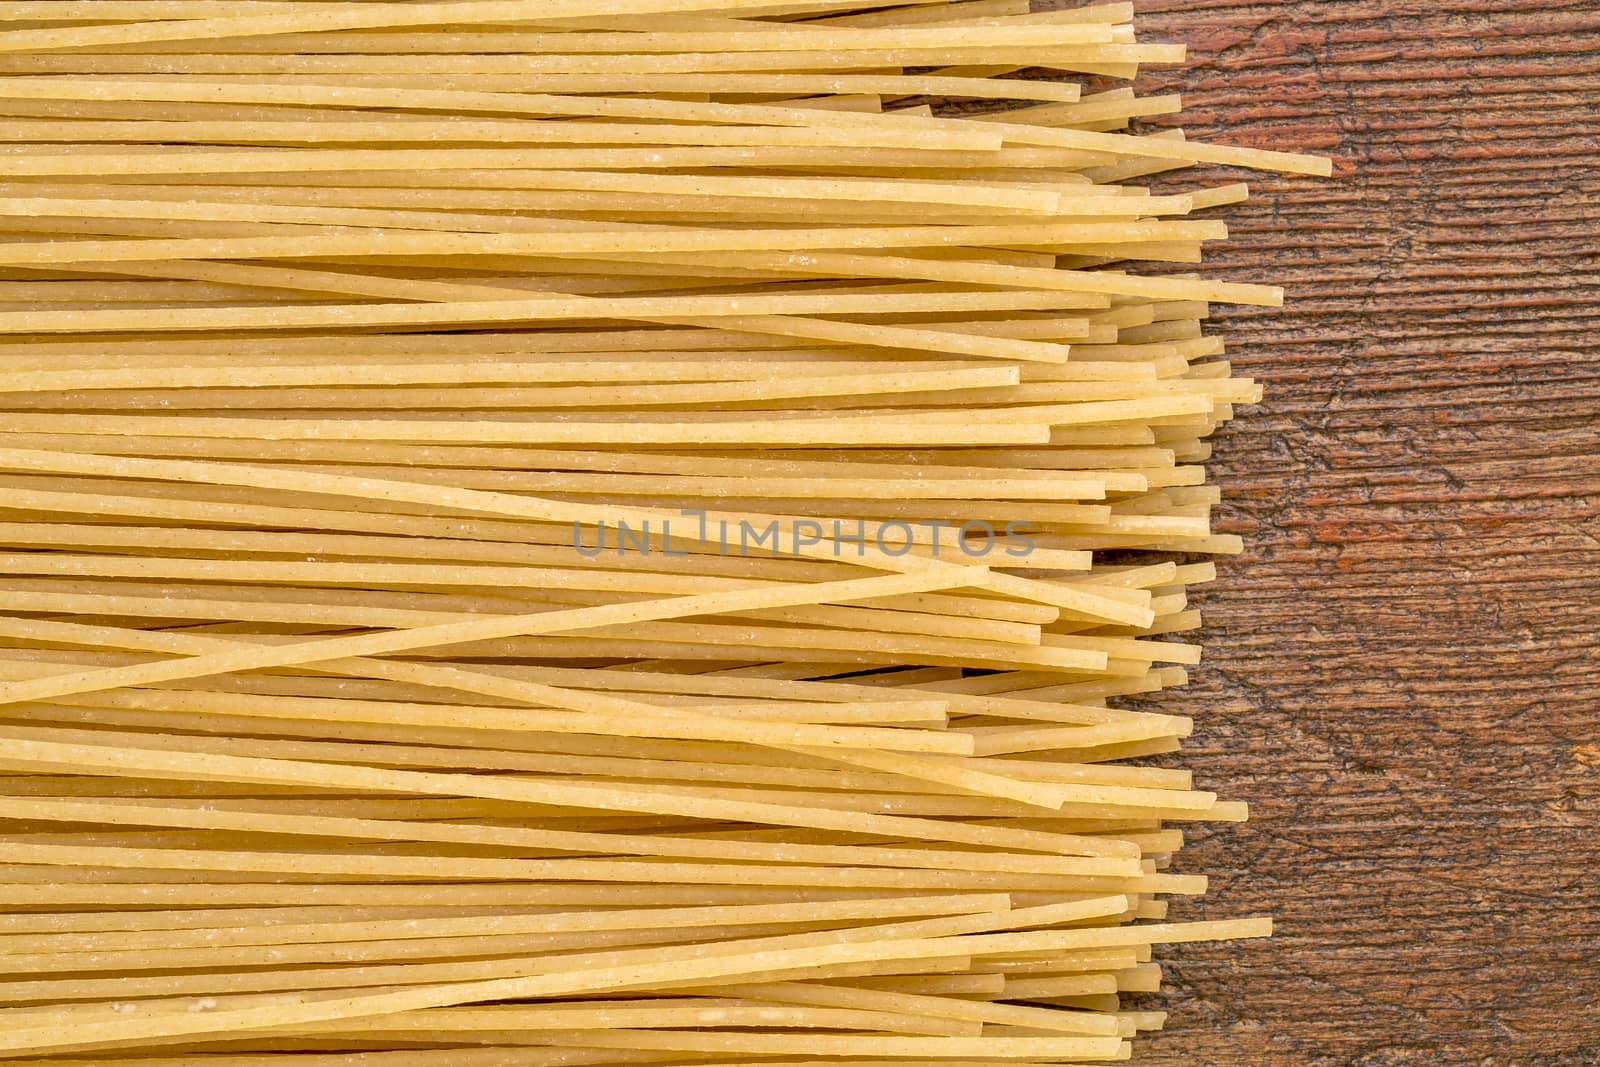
<point x="1402" y="671"/>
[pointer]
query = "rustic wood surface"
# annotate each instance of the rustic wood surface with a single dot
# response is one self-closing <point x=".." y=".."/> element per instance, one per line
<point x="1402" y="673"/>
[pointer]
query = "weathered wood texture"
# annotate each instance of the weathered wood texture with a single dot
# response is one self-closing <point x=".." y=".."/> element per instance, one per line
<point x="1402" y="675"/>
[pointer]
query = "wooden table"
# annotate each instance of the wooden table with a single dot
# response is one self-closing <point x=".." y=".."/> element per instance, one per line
<point x="1402" y="676"/>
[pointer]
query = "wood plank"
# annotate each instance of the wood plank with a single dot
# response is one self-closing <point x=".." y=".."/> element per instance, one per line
<point x="1401" y="671"/>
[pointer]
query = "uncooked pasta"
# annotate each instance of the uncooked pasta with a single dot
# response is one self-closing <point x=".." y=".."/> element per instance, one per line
<point x="564" y="532"/>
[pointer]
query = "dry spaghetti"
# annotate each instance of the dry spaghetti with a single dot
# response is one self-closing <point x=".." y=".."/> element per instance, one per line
<point x="604" y="532"/>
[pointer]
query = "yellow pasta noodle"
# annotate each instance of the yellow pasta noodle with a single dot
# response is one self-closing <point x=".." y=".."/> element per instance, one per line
<point x="560" y="532"/>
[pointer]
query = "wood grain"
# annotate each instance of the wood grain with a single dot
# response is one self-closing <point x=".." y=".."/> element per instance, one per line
<point x="1402" y="673"/>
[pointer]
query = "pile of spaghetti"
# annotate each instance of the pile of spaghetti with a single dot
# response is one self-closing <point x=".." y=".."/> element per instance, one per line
<point x="561" y="532"/>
